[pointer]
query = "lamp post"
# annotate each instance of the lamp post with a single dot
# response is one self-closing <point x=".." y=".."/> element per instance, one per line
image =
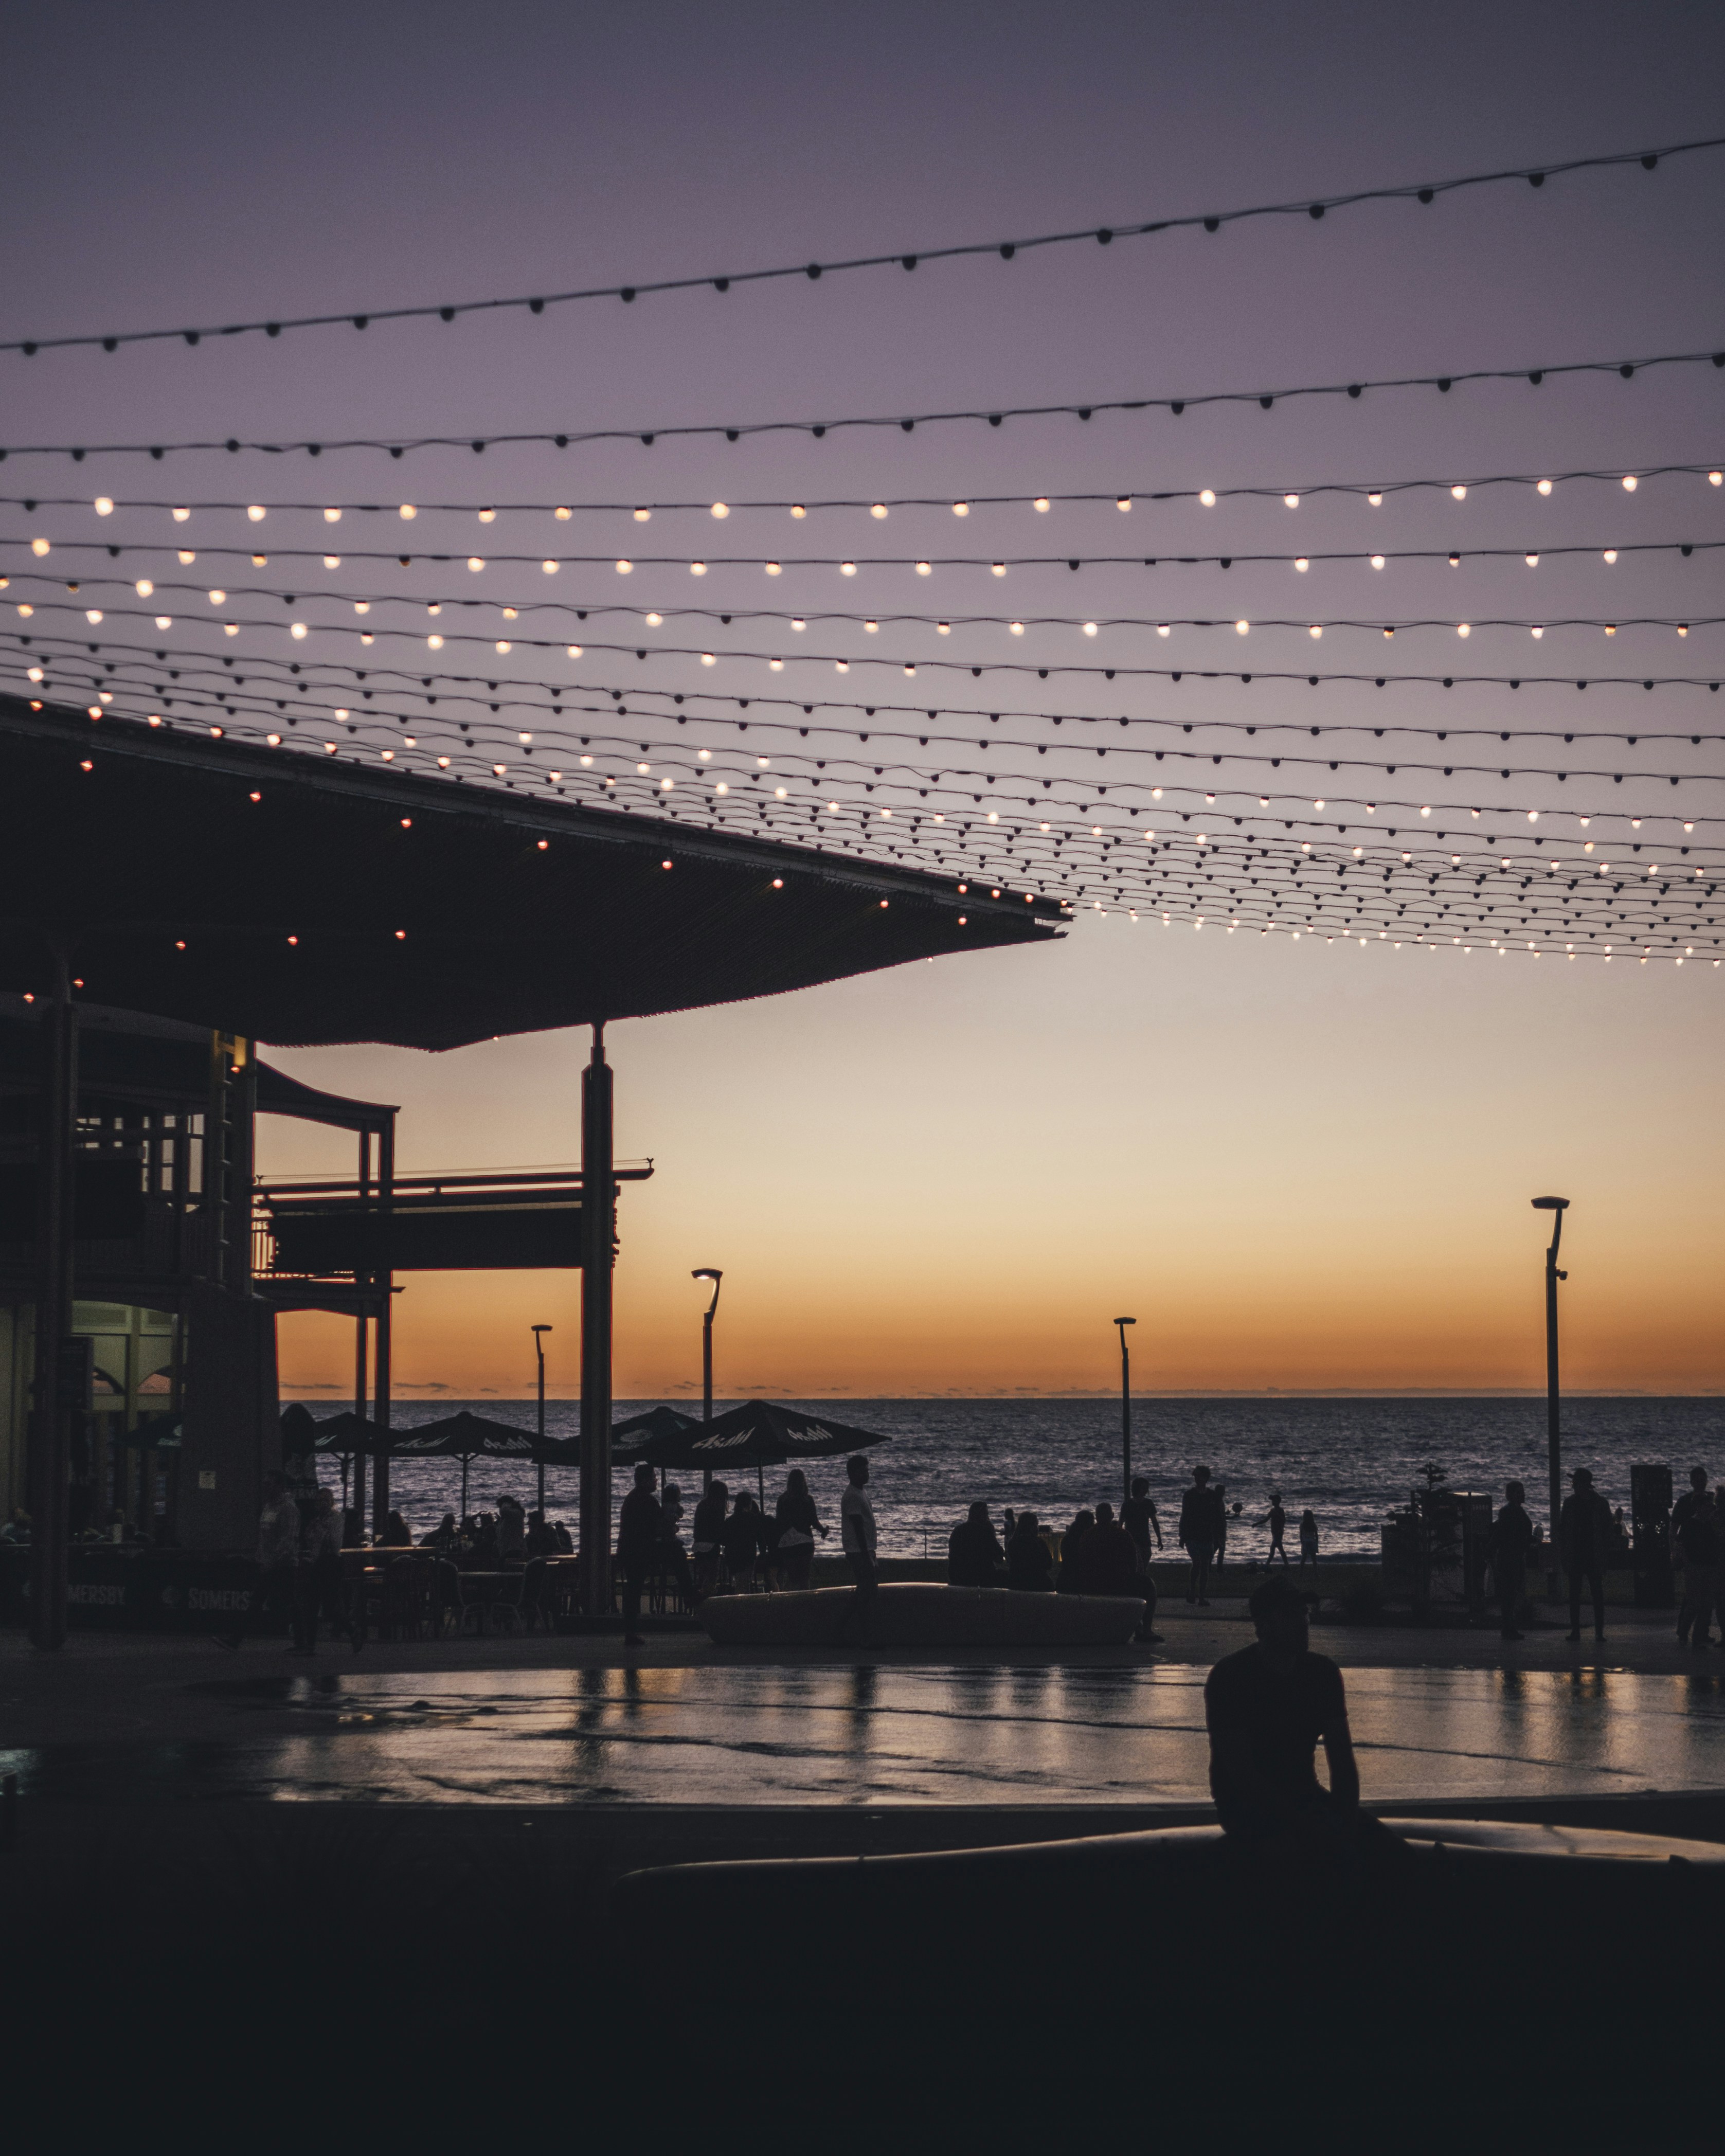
<point x="1125" y="1411"/>
<point x="713" y="1273"/>
<point x="1557" y="1206"/>
<point x="538" y="1331"/>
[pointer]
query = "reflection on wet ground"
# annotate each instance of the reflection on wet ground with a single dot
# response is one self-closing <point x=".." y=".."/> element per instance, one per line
<point x="742" y="1736"/>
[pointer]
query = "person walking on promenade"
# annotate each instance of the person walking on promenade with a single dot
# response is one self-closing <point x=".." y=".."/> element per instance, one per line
<point x="1308" y="1539"/>
<point x="1029" y="1569"/>
<point x="1278" y="1528"/>
<point x="1267" y="1709"/>
<point x="1203" y="1530"/>
<point x="798" y="1524"/>
<point x="858" y="1537"/>
<point x="1702" y="1546"/>
<point x="1682" y="1512"/>
<point x="974" y="1556"/>
<point x="1511" y="1538"/>
<point x="272" y="1597"/>
<point x="318" y="1577"/>
<point x="1584" y="1535"/>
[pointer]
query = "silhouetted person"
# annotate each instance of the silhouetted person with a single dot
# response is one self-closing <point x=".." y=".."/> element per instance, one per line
<point x="1028" y="1566"/>
<point x="272" y="1599"/>
<point x="1083" y="1523"/>
<point x="397" y="1533"/>
<point x="443" y="1536"/>
<point x="564" y="1540"/>
<point x="511" y="1531"/>
<point x="1137" y="1515"/>
<point x="798" y="1524"/>
<point x="974" y="1556"/>
<point x="1585" y="1536"/>
<point x="1108" y="1563"/>
<point x="542" y="1535"/>
<point x="318" y="1577"/>
<point x="643" y="1543"/>
<point x="1682" y="1512"/>
<point x="705" y="1530"/>
<point x="857" y="1532"/>
<point x="1203" y="1529"/>
<point x="1268" y="1708"/>
<point x="1511" y="1538"/>
<point x="1308" y="1539"/>
<point x="1702" y="1546"/>
<point x="1278" y="1528"/>
<point x="746" y="1537"/>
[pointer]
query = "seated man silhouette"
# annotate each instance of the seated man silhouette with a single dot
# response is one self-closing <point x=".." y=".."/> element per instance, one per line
<point x="1268" y="1708"/>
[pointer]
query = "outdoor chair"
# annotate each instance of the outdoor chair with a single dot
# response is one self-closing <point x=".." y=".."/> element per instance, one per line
<point x="446" y="1601"/>
<point x="407" y="1611"/>
<point x="509" y="1601"/>
<point x="536" y="1596"/>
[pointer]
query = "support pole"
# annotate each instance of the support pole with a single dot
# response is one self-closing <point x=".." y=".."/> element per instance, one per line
<point x="361" y="1341"/>
<point x="598" y="1208"/>
<point x="1557" y="1207"/>
<point x="1125" y="1411"/>
<point x="385" y="1278"/>
<point x="50" y="1449"/>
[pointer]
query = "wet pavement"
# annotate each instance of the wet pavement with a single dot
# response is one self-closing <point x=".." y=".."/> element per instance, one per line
<point x="688" y="1729"/>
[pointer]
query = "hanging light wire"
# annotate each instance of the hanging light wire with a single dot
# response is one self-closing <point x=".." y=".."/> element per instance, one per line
<point x="1313" y="208"/>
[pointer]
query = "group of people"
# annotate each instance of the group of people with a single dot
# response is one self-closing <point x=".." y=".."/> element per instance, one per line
<point x="734" y="1544"/>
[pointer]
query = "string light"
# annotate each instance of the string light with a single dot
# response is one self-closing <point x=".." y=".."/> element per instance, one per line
<point x="735" y="430"/>
<point x="1005" y="250"/>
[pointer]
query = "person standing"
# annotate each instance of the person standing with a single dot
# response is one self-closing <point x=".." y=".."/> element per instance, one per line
<point x="1084" y="1524"/>
<point x="1511" y="1538"/>
<point x="1584" y="1534"/>
<point x="746" y="1539"/>
<point x="858" y="1535"/>
<point x="1106" y="1562"/>
<point x="706" y="1533"/>
<point x="1029" y="1567"/>
<point x="1137" y="1515"/>
<point x="1278" y="1528"/>
<point x="272" y="1597"/>
<point x="1682" y="1512"/>
<point x="511" y="1531"/>
<point x="1202" y="1530"/>
<point x="1308" y="1539"/>
<point x="1701" y="1546"/>
<point x="642" y="1541"/>
<point x="318" y="1577"/>
<point x="798" y="1524"/>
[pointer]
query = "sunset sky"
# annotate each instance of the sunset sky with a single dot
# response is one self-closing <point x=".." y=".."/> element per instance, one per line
<point x="1299" y="1164"/>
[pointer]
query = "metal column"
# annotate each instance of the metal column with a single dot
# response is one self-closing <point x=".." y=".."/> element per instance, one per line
<point x="50" y="1448"/>
<point x="384" y="1281"/>
<point x="598" y="1210"/>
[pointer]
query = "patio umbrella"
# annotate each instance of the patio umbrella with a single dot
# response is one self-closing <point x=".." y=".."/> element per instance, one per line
<point x="467" y="1437"/>
<point x="760" y="1436"/>
<point x="347" y="1436"/>
<point x="631" y="1438"/>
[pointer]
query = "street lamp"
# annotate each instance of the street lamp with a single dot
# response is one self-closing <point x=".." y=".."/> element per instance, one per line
<point x="713" y="1273"/>
<point x="1557" y="1206"/>
<point x="539" y="1350"/>
<point x="1125" y="1411"/>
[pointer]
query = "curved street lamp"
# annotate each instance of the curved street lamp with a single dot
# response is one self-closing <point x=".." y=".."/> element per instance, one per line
<point x="1557" y="1207"/>
<point x="713" y="1273"/>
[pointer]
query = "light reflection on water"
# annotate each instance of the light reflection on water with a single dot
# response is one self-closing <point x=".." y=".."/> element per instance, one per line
<point x="896" y="1734"/>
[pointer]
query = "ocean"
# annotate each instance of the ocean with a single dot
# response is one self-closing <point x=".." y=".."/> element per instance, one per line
<point x="1351" y="1460"/>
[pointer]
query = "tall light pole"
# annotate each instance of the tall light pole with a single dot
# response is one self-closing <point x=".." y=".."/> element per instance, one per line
<point x="1125" y="1411"/>
<point x="1557" y="1206"/>
<point x="539" y="1350"/>
<point x="713" y="1273"/>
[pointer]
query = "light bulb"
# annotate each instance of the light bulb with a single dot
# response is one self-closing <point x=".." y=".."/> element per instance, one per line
<point x="1015" y="629"/>
<point x="1376" y="500"/>
<point x="143" y="587"/>
<point x="575" y="650"/>
<point x="872" y="626"/>
<point x="332" y="561"/>
<point x="1207" y="496"/>
<point x="924" y="568"/>
<point x="653" y="620"/>
<point x="1376" y="561"/>
<point x="1089" y="628"/>
<point x="216" y="598"/>
<point x="879" y="510"/>
<point x="1544" y="486"/>
<point x="709" y="659"/>
<point x="1458" y="493"/>
<point x="1040" y="504"/>
<point x="999" y="568"/>
<point x="697" y="568"/>
<point x="719" y="510"/>
<point x="624" y="568"/>
<point x="1292" y="501"/>
<point x="1629" y="483"/>
<point x="1241" y="627"/>
<point x="1302" y="564"/>
<point x="38" y="547"/>
<point x="296" y="629"/>
<point x="104" y="505"/>
<point x="1610" y="554"/>
<point x="1535" y="633"/>
<point x="1315" y="631"/>
<point x="773" y="569"/>
<point x="1463" y="628"/>
<point x="475" y="561"/>
<point x="797" y="510"/>
<point x="961" y="509"/>
<point x="1163" y="629"/>
<point x="847" y="568"/>
<point x="548" y="567"/>
<point x="180" y="516"/>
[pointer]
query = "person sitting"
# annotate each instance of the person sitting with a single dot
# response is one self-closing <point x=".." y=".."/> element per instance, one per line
<point x="397" y="1533"/>
<point x="542" y="1535"/>
<point x="798" y="1524"/>
<point x="564" y="1540"/>
<point x="1083" y="1523"/>
<point x="1106" y="1561"/>
<point x="974" y="1556"/>
<point x="1267" y="1709"/>
<point x="707" y="1529"/>
<point x="1028" y="1567"/>
<point x="482" y="1541"/>
<point x="745" y="1539"/>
